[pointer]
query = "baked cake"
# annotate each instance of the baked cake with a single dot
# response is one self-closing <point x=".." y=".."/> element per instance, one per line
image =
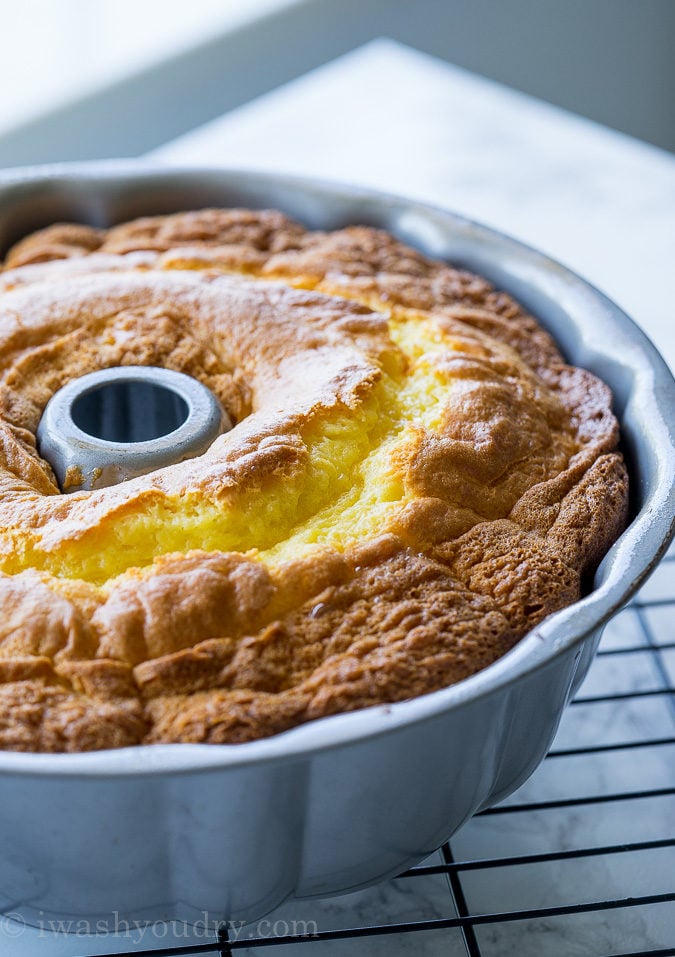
<point x="415" y="479"/>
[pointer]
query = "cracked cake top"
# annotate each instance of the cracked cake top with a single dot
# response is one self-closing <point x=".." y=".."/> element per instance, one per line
<point x="415" y="479"/>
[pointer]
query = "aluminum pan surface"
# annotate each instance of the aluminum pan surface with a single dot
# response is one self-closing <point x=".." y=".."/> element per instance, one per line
<point x="591" y="330"/>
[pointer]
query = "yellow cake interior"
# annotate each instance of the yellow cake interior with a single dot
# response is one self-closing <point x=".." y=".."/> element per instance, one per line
<point x="346" y="493"/>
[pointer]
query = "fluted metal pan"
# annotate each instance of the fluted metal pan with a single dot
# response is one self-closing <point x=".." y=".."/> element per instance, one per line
<point x="173" y="831"/>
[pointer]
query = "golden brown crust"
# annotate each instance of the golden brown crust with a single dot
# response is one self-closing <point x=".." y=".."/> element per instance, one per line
<point x="433" y="481"/>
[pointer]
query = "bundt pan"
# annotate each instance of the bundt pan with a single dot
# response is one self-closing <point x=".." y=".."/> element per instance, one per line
<point x="173" y="831"/>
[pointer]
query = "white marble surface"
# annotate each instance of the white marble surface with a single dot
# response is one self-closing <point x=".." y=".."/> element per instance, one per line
<point x="604" y="204"/>
<point x="390" y="117"/>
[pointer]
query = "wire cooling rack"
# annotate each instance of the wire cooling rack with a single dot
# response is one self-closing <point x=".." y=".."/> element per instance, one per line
<point x="580" y="861"/>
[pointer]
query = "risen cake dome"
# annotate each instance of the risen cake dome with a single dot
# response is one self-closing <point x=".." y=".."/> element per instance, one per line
<point x="414" y="479"/>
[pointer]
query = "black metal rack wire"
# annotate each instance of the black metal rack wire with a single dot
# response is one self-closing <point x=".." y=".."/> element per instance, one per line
<point x="581" y="860"/>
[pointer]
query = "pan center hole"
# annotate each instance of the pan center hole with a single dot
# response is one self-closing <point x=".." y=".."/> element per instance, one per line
<point x="129" y="411"/>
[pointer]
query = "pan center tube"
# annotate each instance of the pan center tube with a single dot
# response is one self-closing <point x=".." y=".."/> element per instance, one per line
<point x="115" y="424"/>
